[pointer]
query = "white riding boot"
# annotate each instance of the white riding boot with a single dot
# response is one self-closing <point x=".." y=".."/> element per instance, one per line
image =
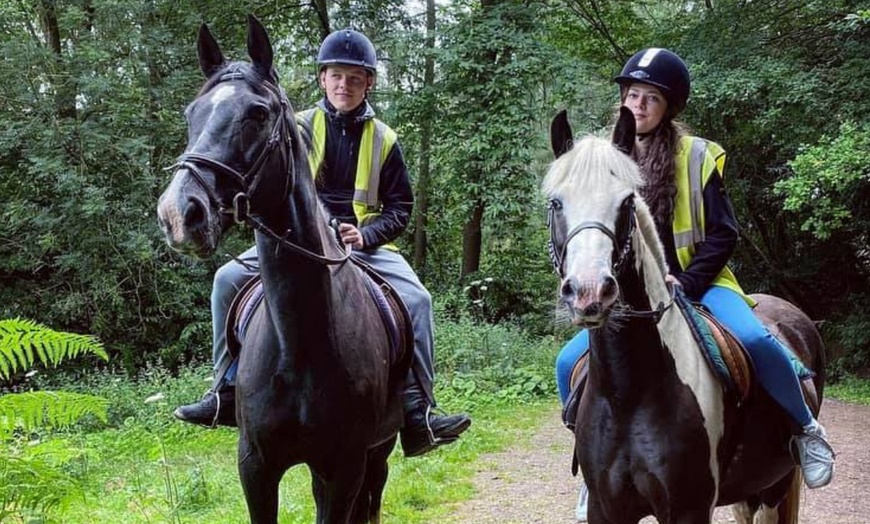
<point x="582" y="503"/>
<point x="815" y="455"/>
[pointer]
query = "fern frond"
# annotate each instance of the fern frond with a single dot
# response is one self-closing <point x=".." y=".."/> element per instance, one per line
<point x="41" y="409"/>
<point x="31" y="483"/>
<point x="24" y="342"/>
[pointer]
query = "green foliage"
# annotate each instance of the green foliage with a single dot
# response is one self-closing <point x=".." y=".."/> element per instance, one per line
<point x="33" y="484"/>
<point x="24" y="342"/>
<point x="850" y="389"/>
<point x="31" y="474"/>
<point x="41" y="409"/>
<point x="831" y="181"/>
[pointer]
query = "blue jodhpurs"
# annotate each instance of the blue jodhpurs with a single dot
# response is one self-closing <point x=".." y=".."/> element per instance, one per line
<point x="771" y="358"/>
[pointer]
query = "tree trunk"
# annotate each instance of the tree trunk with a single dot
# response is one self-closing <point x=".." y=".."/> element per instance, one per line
<point x="472" y="240"/>
<point x="320" y="8"/>
<point x="472" y="232"/>
<point x="64" y="97"/>
<point x="422" y="198"/>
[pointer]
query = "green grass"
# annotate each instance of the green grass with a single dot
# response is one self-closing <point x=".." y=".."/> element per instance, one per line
<point x="850" y="389"/>
<point x="144" y="467"/>
<point x="183" y="474"/>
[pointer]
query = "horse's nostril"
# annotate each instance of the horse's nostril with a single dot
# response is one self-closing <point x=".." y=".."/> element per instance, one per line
<point x="569" y="288"/>
<point x="608" y="287"/>
<point x="194" y="214"/>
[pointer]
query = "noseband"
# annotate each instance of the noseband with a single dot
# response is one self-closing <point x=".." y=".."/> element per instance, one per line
<point x="279" y="138"/>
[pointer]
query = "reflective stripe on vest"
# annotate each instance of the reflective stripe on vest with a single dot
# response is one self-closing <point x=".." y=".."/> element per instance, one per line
<point x="696" y="160"/>
<point x="375" y="145"/>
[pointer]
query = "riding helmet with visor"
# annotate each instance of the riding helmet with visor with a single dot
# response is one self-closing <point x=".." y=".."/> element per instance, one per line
<point x="347" y="47"/>
<point x="662" y="69"/>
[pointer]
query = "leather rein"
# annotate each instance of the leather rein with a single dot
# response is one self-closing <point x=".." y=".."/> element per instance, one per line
<point x="278" y="140"/>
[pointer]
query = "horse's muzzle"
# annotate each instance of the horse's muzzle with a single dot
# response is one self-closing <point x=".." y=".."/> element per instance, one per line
<point x="186" y="222"/>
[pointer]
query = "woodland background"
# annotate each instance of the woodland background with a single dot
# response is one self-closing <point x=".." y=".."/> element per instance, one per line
<point x="91" y="101"/>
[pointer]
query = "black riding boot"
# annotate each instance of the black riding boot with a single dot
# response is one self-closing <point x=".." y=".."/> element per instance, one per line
<point x="424" y="430"/>
<point x="217" y="408"/>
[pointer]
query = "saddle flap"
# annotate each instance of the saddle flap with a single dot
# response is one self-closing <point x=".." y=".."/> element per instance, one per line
<point x="737" y="362"/>
<point x="394" y="312"/>
<point x="579" y="374"/>
<point x="240" y="312"/>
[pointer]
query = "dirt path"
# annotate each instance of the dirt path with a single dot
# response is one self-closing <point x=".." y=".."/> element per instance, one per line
<point x="532" y="483"/>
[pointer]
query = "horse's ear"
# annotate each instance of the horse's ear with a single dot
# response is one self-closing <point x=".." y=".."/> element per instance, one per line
<point x="210" y="56"/>
<point x="259" y="47"/>
<point x="561" y="136"/>
<point x="625" y="131"/>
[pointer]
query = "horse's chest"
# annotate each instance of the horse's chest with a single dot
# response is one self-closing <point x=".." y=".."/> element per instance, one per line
<point x="642" y="439"/>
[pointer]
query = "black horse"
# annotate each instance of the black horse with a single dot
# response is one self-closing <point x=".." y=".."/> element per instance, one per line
<point x="319" y="381"/>
<point x="656" y="433"/>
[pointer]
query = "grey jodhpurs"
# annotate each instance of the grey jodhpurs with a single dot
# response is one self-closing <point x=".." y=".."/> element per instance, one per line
<point x="230" y="277"/>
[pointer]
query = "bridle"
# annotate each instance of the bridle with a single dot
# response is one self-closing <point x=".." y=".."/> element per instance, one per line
<point x="620" y="252"/>
<point x="557" y="254"/>
<point x="279" y="139"/>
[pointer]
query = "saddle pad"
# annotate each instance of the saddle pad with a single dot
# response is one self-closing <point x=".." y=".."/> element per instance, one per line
<point x="394" y="314"/>
<point x="240" y="313"/>
<point x="723" y="352"/>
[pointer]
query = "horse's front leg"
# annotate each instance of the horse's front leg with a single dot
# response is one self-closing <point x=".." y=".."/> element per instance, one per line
<point x="260" y="483"/>
<point x="340" y="491"/>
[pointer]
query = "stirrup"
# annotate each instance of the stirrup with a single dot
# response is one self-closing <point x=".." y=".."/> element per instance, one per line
<point x="430" y="433"/>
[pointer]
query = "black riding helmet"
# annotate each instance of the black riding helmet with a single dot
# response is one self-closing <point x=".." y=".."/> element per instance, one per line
<point x="660" y="68"/>
<point x="347" y="47"/>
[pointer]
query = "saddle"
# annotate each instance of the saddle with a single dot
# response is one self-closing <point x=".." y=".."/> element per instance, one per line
<point x="394" y="314"/>
<point x="725" y="354"/>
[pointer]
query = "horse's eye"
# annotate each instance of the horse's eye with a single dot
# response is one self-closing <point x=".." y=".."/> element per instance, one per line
<point x="258" y="114"/>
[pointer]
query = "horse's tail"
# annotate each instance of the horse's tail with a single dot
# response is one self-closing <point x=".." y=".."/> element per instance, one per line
<point x="789" y="507"/>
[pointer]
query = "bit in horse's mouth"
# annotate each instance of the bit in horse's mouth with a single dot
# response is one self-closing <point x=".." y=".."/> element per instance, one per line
<point x="587" y="323"/>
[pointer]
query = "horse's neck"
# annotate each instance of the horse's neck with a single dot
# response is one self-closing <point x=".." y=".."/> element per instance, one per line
<point x="298" y="289"/>
<point x="636" y="353"/>
<point x="673" y="329"/>
<point x="627" y="356"/>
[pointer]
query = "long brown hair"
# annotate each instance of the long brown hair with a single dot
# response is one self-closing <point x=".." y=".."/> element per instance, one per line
<point x="658" y="167"/>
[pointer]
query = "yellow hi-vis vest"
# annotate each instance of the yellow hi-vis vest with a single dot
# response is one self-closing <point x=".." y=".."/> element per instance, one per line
<point x="696" y="160"/>
<point x="376" y="143"/>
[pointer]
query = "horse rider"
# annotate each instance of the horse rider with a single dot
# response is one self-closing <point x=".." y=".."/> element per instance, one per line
<point x="654" y="84"/>
<point x="352" y="153"/>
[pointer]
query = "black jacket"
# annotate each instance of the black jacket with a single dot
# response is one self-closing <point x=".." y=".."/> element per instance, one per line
<point x="335" y="182"/>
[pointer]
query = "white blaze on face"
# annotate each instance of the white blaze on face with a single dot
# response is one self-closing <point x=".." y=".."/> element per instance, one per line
<point x="223" y="92"/>
<point x="169" y="211"/>
<point x="220" y="94"/>
<point x="589" y="254"/>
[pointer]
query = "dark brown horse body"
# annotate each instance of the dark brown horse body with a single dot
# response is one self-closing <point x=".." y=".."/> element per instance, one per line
<point x="318" y="382"/>
<point x="656" y="433"/>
